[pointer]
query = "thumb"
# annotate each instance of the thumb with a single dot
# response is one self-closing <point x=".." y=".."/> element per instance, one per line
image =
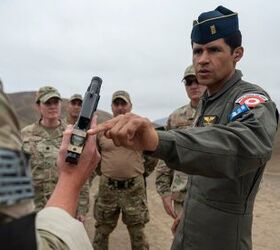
<point x="66" y="138"/>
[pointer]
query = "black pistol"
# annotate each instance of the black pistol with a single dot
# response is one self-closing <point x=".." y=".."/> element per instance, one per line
<point x="78" y="137"/>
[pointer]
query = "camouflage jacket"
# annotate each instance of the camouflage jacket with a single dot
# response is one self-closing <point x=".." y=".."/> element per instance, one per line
<point x="149" y="164"/>
<point x="43" y="146"/>
<point x="169" y="181"/>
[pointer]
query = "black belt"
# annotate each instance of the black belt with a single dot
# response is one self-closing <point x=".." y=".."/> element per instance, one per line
<point x="121" y="184"/>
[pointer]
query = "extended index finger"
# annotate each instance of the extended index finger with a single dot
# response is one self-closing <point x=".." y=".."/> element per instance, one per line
<point x="104" y="126"/>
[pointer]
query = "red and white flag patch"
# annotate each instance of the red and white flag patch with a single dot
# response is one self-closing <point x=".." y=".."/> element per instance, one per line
<point x="251" y="99"/>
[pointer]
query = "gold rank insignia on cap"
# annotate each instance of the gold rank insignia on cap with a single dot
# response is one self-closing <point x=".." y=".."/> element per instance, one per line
<point x="209" y="120"/>
<point x="213" y="29"/>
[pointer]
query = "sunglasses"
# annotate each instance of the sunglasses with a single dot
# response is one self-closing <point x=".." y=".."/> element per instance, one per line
<point x="190" y="81"/>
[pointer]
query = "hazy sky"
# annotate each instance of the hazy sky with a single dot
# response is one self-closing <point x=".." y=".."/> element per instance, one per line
<point x="137" y="45"/>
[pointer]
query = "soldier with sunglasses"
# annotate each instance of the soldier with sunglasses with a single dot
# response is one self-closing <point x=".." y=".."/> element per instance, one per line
<point x="172" y="184"/>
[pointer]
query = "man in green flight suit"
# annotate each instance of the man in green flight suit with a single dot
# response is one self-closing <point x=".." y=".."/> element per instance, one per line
<point x="226" y="153"/>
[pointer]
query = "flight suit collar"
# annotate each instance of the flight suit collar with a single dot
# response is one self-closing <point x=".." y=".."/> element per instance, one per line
<point x="232" y="81"/>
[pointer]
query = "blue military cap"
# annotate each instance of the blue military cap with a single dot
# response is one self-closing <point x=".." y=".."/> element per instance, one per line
<point x="215" y="24"/>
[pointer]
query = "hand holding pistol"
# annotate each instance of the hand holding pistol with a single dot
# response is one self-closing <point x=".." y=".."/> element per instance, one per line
<point x="78" y="137"/>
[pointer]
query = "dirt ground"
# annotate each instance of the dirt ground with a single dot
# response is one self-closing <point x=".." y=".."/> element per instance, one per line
<point x="266" y="226"/>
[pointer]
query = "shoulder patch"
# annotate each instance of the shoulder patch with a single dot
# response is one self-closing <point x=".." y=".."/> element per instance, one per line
<point x="251" y="99"/>
<point x="238" y="112"/>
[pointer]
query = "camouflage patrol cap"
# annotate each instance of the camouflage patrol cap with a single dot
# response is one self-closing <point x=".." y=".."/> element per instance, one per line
<point x="189" y="71"/>
<point x="122" y="95"/>
<point x="76" y="97"/>
<point x="45" y="93"/>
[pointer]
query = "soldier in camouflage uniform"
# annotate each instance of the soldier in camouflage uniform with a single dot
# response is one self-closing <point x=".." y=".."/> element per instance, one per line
<point x="121" y="187"/>
<point x="171" y="184"/>
<point x="42" y="140"/>
<point x="55" y="226"/>
<point x="73" y="108"/>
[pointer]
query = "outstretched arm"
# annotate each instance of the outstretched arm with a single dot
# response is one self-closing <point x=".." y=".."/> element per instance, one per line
<point x="129" y="130"/>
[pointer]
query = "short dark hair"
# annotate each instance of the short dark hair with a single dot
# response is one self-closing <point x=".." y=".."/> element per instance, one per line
<point x="234" y="40"/>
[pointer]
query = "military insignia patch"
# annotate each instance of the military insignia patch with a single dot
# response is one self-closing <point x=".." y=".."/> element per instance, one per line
<point x="251" y="99"/>
<point x="238" y="112"/>
<point x="209" y="120"/>
<point x="213" y="29"/>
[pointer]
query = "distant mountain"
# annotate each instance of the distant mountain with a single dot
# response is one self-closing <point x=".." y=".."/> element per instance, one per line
<point x="160" y="122"/>
<point x="24" y="104"/>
